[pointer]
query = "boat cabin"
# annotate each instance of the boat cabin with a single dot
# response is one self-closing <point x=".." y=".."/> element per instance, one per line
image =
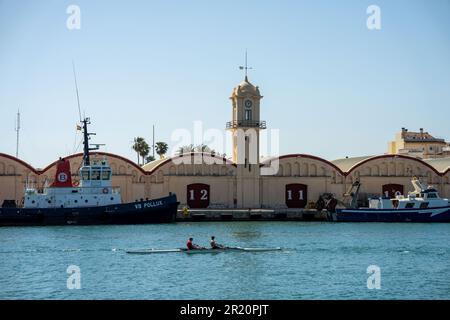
<point x="420" y="198"/>
<point x="93" y="189"/>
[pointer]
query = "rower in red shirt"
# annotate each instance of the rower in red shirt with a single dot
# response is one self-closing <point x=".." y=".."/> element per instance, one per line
<point x="192" y="246"/>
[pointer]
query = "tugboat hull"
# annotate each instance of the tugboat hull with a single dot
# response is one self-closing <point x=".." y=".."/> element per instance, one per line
<point x="162" y="210"/>
<point x="396" y="215"/>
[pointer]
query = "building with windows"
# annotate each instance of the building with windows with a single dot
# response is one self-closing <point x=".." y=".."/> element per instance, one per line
<point x="419" y="144"/>
<point x="203" y="180"/>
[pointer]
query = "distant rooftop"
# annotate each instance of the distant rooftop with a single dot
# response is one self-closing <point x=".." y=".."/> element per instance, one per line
<point x="421" y="136"/>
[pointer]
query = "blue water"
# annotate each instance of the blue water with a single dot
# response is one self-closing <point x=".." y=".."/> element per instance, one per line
<point x="320" y="261"/>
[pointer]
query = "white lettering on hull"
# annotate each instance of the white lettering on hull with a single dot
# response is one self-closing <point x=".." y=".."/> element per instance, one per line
<point x="150" y="204"/>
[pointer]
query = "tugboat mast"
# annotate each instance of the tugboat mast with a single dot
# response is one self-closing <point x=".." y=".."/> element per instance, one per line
<point x="86" y="148"/>
<point x="85" y="122"/>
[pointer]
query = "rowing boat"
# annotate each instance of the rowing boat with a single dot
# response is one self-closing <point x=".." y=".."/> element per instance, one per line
<point x="196" y="251"/>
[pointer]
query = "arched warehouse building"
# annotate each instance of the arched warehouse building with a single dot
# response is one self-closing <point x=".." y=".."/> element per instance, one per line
<point x="208" y="181"/>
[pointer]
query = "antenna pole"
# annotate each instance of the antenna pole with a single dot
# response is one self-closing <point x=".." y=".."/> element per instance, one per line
<point x="153" y="141"/>
<point x="246" y="65"/>
<point x="76" y="88"/>
<point x="17" y="129"/>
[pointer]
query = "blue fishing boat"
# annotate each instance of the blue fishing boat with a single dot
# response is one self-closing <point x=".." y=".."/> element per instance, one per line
<point x="421" y="205"/>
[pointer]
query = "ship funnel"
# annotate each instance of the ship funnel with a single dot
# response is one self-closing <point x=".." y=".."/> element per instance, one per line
<point x="63" y="178"/>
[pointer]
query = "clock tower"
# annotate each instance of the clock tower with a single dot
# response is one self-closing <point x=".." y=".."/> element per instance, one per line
<point x="245" y="127"/>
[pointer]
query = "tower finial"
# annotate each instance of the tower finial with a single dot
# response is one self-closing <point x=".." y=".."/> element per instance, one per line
<point x="245" y="67"/>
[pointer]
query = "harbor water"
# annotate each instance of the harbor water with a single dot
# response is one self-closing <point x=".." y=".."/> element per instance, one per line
<point x="319" y="260"/>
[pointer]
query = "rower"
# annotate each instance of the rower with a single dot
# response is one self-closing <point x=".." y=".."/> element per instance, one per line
<point x="192" y="246"/>
<point x="214" y="244"/>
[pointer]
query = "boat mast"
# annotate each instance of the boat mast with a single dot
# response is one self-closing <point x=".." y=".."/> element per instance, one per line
<point x="85" y="121"/>
<point x="17" y="128"/>
<point x="86" y="160"/>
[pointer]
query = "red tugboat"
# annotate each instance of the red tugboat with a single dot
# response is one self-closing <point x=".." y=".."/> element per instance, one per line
<point x="93" y="201"/>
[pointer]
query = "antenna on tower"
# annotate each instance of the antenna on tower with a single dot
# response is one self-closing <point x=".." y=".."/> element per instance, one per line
<point x="245" y="67"/>
<point x="17" y="129"/>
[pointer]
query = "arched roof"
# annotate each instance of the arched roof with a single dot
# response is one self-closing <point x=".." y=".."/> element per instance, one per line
<point x="307" y="156"/>
<point x="70" y="157"/>
<point x="98" y="154"/>
<point x="343" y="166"/>
<point x="21" y="162"/>
<point x="394" y="156"/>
<point x="346" y="164"/>
<point x="441" y="164"/>
<point x="155" y="165"/>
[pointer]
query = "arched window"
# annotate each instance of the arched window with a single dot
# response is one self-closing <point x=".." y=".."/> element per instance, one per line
<point x="401" y="170"/>
<point x="287" y="171"/>
<point x="313" y="170"/>
<point x="181" y="169"/>
<point x="11" y="170"/>
<point x="160" y="176"/>
<point x="248" y="114"/>
<point x="296" y="169"/>
<point x="304" y="170"/>
<point x="376" y="171"/>
<point x="280" y="170"/>
<point x="134" y="176"/>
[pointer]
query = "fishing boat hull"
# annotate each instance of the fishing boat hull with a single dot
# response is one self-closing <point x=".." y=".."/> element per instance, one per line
<point x="391" y="215"/>
<point x="162" y="210"/>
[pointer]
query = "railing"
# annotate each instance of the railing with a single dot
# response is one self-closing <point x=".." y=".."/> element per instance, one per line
<point x="246" y="124"/>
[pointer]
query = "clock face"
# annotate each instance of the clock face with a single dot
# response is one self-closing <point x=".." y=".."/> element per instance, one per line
<point x="248" y="103"/>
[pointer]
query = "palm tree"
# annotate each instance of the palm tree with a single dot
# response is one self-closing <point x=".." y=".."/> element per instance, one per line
<point x="204" y="149"/>
<point x="144" y="150"/>
<point x="149" y="159"/>
<point x="137" y="146"/>
<point x="186" y="149"/>
<point x="161" y="148"/>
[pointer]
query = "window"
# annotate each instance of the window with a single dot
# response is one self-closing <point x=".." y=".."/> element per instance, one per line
<point x="409" y="205"/>
<point x="85" y="175"/>
<point x="248" y="115"/>
<point x="432" y="196"/>
<point x="106" y="174"/>
<point x="95" y="175"/>
<point x="424" y="205"/>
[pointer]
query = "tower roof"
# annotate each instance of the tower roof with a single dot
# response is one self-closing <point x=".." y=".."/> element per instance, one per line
<point x="246" y="88"/>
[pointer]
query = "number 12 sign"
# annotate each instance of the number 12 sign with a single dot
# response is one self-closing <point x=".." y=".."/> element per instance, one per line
<point x="198" y="195"/>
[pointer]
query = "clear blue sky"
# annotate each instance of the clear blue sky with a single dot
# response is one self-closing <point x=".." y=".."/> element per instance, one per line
<point x="333" y="87"/>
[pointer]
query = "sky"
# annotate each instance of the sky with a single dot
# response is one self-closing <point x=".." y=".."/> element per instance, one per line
<point x="331" y="86"/>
